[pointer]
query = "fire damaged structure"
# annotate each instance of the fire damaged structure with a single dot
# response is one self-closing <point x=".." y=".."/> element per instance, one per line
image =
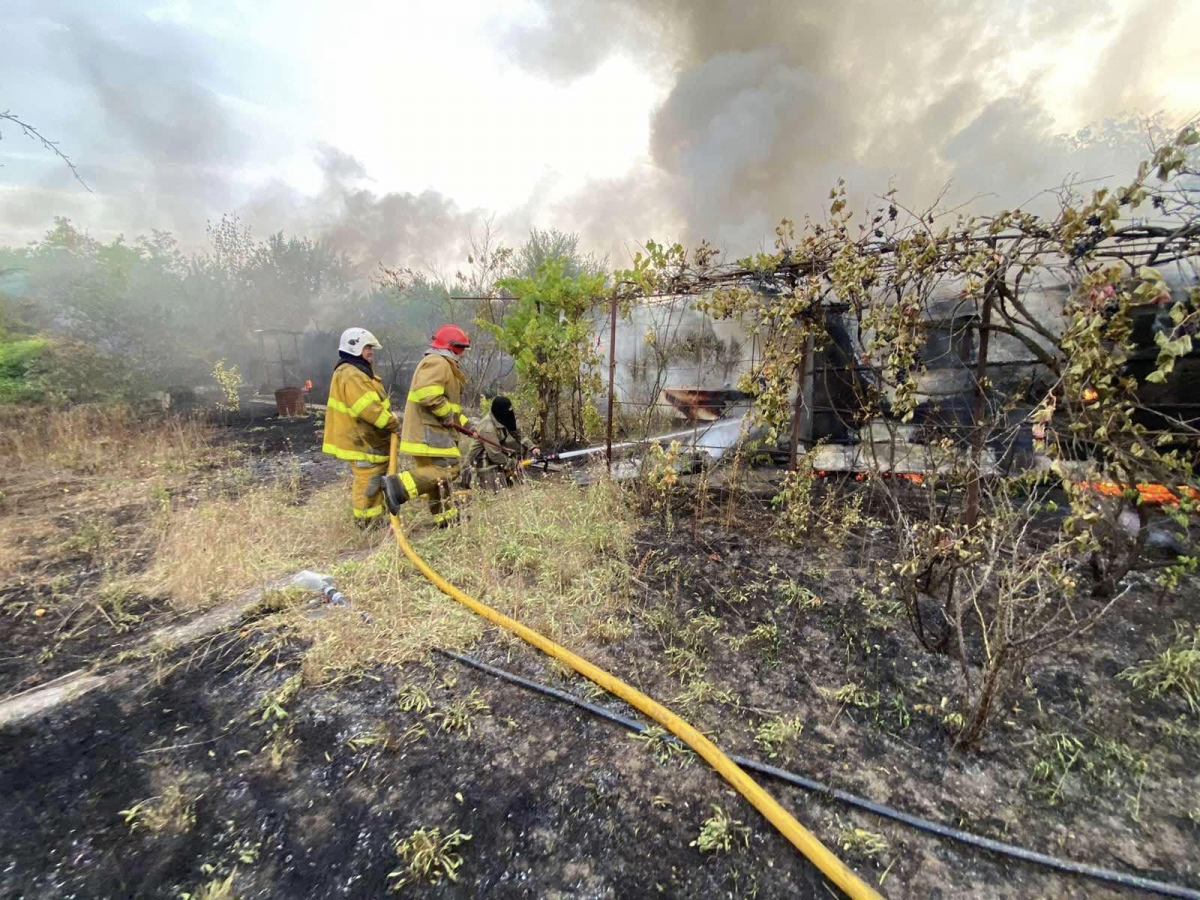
<point x="966" y="366"/>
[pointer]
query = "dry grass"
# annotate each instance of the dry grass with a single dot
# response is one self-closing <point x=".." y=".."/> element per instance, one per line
<point x="99" y="440"/>
<point x="66" y="471"/>
<point x="14" y="552"/>
<point x="212" y="551"/>
<point x="551" y="555"/>
<point x="172" y="810"/>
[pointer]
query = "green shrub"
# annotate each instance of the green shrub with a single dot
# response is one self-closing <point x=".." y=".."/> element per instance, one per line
<point x="16" y="359"/>
<point x="40" y="370"/>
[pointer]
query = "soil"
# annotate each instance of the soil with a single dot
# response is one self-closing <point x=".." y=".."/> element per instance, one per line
<point x="310" y="803"/>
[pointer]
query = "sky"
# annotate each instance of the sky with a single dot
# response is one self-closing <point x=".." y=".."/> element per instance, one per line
<point x="396" y="129"/>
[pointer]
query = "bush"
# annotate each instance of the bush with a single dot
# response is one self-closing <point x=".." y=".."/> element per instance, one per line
<point x="16" y="359"/>
<point x="38" y="370"/>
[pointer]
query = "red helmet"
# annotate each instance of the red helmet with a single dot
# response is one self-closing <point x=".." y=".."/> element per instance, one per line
<point x="450" y="337"/>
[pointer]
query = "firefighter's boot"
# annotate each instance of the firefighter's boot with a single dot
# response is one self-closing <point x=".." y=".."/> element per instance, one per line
<point x="396" y="492"/>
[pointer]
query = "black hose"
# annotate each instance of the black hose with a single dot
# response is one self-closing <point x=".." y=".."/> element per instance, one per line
<point x="965" y="837"/>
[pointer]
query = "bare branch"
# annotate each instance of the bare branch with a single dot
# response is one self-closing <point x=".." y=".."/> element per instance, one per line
<point x="34" y="135"/>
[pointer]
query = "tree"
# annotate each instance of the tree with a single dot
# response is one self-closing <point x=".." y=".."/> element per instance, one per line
<point x="551" y="243"/>
<point x="548" y="334"/>
<point x="984" y="574"/>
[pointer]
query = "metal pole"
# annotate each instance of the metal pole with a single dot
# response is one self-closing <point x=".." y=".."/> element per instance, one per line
<point x="612" y="373"/>
<point x="977" y="435"/>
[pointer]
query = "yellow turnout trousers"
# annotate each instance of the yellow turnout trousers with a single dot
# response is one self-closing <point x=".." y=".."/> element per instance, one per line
<point x="433" y="477"/>
<point x="366" y="506"/>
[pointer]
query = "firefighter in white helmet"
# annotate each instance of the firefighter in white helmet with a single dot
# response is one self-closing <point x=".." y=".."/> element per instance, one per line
<point x="359" y="422"/>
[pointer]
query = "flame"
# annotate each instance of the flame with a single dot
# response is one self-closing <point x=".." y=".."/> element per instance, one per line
<point x="308" y="385"/>
<point x="1148" y="493"/>
<point x="1090" y="395"/>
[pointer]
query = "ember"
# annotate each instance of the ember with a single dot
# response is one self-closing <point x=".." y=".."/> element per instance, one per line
<point x="1147" y="493"/>
<point x="914" y="477"/>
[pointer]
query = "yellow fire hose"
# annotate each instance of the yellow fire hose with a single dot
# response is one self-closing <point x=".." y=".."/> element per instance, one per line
<point x="802" y="839"/>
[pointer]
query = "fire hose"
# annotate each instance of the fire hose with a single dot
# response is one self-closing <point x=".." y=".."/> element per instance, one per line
<point x="800" y="837"/>
<point x="1124" y="879"/>
<point x="542" y="459"/>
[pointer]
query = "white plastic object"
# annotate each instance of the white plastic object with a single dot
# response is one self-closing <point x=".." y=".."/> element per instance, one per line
<point x="312" y="581"/>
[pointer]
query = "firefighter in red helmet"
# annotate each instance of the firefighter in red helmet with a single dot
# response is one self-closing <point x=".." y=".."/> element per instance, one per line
<point x="428" y="434"/>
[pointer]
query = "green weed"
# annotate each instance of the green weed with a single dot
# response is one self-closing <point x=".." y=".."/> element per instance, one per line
<point x="112" y="600"/>
<point x="663" y="746"/>
<point x="217" y="889"/>
<point x="173" y="811"/>
<point x="412" y="698"/>
<point x="364" y="740"/>
<point x="793" y="593"/>
<point x="428" y="855"/>
<point x="273" y="706"/>
<point x="458" y="715"/>
<point x="1109" y="765"/>
<point x="1174" y="670"/>
<point x="853" y="694"/>
<point x="720" y="832"/>
<point x="861" y="842"/>
<point x="95" y="538"/>
<point x="774" y="736"/>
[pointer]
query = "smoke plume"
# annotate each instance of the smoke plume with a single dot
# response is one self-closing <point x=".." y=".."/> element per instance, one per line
<point x="770" y="102"/>
<point x="160" y="135"/>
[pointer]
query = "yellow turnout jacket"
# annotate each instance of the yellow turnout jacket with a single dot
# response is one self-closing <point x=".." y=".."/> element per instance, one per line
<point x="436" y="392"/>
<point x="358" y="417"/>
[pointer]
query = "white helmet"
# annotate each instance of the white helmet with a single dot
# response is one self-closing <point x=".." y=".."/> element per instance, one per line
<point x="354" y="339"/>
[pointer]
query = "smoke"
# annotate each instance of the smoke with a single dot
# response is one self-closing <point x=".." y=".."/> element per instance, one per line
<point x="770" y="102"/>
<point x="149" y="131"/>
<point x="419" y="230"/>
<point x="162" y="133"/>
<point x="177" y="115"/>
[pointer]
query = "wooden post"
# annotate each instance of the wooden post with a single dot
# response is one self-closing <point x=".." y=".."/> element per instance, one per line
<point x="612" y="372"/>
<point x="798" y="409"/>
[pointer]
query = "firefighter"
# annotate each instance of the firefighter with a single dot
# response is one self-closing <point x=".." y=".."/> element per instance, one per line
<point x="429" y="436"/>
<point x="359" y="422"/>
<point x="492" y="467"/>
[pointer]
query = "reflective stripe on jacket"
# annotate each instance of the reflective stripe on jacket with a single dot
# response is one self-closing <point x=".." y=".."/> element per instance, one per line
<point x="358" y="416"/>
<point x="436" y="392"/>
<point x="483" y="456"/>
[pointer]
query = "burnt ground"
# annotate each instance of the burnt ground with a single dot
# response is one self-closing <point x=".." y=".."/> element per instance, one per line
<point x="1128" y="802"/>
<point x="560" y="804"/>
<point x="72" y="547"/>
